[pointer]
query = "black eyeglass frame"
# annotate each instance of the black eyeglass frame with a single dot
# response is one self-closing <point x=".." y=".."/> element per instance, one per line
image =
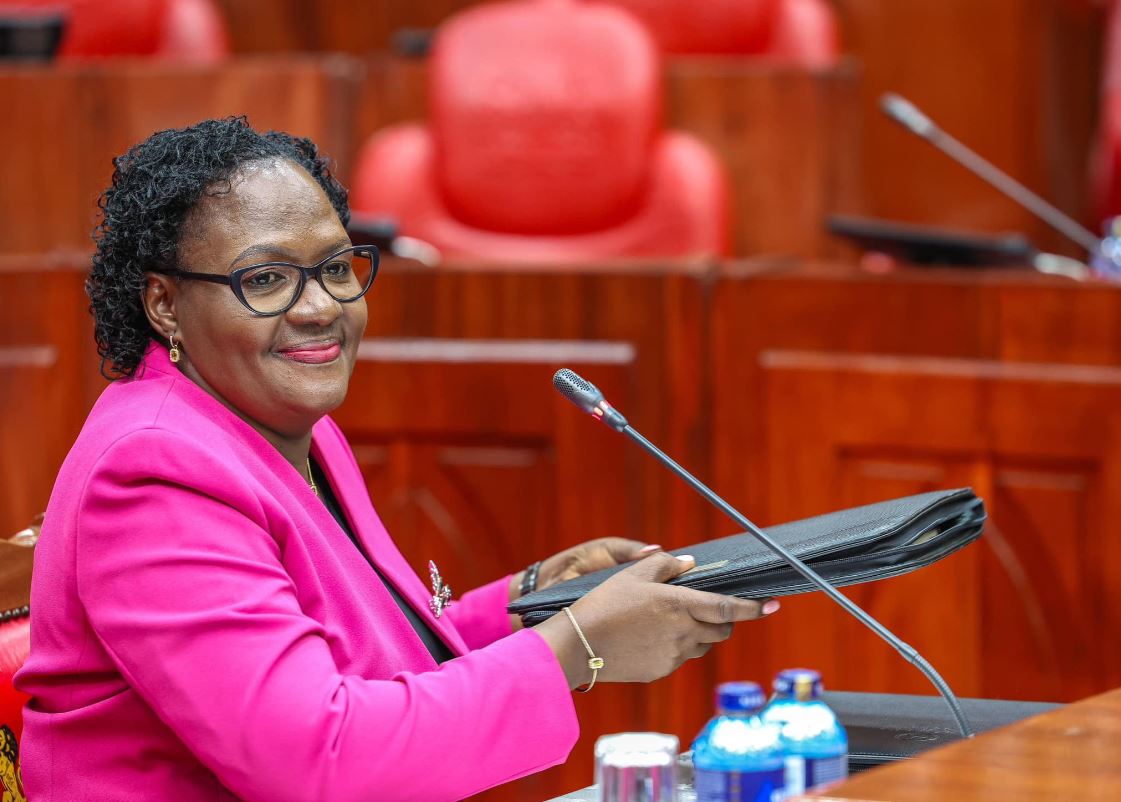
<point x="233" y="279"/>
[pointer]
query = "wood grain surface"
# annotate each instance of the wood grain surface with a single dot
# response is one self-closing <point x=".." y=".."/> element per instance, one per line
<point x="1071" y="753"/>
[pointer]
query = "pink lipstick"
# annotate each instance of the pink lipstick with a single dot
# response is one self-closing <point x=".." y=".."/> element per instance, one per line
<point x="312" y="353"/>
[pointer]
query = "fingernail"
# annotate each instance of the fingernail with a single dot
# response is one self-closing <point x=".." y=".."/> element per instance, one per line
<point x="685" y="558"/>
<point x="648" y="549"/>
<point x="771" y="607"/>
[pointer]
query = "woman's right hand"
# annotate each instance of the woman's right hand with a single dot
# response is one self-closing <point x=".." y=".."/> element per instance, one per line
<point x="642" y="628"/>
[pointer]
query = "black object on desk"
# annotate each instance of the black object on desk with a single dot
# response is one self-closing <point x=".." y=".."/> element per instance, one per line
<point x="886" y="727"/>
<point x="927" y="245"/>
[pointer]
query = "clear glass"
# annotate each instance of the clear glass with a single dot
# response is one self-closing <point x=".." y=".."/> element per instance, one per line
<point x="637" y="767"/>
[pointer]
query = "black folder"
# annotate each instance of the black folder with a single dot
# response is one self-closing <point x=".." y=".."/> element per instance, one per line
<point x="861" y="544"/>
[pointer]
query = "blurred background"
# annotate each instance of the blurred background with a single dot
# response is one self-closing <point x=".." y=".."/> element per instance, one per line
<point x="696" y="204"/>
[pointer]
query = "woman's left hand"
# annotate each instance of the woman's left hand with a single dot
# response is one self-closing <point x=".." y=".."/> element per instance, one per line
<point x="594" y="555"/>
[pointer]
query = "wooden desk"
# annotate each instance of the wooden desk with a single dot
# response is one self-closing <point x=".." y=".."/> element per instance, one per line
<point x="793" y="388"/>
<point x="1071" y="753"/>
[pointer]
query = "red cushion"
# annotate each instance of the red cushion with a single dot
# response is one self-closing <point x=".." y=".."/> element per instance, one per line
<point x="543" y="114"/>
<point x="683" y="212"/>
<point x="707" y="26"/>
<point x="545" y="145"/>
<point x="193" y="31"/>
<point x="15" y="643"/>
<point x="801" y="32"/>
<point x="806" y="33"/>
<point x="182" y="30"/>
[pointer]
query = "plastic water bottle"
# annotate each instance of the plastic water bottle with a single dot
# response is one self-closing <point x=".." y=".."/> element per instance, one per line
<point x="814" y="743"/>
<point x="737" y="757"/>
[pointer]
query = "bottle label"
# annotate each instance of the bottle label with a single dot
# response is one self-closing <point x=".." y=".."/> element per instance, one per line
<point x="806" y="774"/>
<point x="739" y="786"/>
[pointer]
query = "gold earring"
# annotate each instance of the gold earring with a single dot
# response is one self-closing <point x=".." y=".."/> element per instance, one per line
<point x="174" y="351"/>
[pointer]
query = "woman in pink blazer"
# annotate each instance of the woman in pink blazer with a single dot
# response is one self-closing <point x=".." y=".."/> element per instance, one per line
<point x="218" y="613"/>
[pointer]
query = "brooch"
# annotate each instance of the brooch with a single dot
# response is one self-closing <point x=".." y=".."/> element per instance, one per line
<point x="441" y="593"/>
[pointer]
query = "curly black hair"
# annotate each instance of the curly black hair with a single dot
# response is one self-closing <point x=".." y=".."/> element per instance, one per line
<point x="155" y="186"/>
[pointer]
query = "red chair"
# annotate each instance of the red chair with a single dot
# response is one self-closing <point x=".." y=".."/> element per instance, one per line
<point x="175" y="30"/>
<point x="544" y="145"/>
<point x="1106" y="177"/>
<point x="800" y="32"/>
<point x="15" y="643"/>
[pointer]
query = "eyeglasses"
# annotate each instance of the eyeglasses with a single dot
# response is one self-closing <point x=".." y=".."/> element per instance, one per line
<point x="273" y="288"/>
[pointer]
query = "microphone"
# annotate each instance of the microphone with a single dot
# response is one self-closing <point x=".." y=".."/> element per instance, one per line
<point x="910" y="117"/>
<point x="588" y="397"/>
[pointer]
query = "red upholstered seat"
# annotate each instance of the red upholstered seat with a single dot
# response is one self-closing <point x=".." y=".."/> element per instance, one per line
<point x="545" y="144"/>
<point x="802" y="32"/>
<point x="16" y="557"/>
<point x="179" y="30"/>
<point x="1106" y="176"/>
<point x="15" y="643"/>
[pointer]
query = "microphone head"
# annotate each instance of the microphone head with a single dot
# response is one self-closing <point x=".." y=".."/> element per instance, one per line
<point x="577" y="389"/>
<point x="907" y="114"/>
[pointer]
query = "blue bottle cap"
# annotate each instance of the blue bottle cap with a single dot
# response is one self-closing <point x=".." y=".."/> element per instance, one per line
<point x="739" y="697"/>
<point x="802" y="683"/>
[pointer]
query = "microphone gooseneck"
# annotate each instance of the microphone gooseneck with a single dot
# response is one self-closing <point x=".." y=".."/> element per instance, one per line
<point x="910" y="117"/>
<point x="588" y="397"/>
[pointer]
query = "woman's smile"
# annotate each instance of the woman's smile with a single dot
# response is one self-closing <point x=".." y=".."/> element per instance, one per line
<point x="312" y="352"/>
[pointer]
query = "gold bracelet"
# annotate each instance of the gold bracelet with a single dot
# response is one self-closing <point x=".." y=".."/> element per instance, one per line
<point x="594" y="663"/>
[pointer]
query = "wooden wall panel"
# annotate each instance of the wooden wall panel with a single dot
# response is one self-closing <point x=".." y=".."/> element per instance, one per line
<point x="1020" y="614"/>
<point x="1016" y="80"/>
<point x="48" y="380"/>
<point x="73" y="120"/>
<point x="788" y="138"/>
<point x="352" y="26"/>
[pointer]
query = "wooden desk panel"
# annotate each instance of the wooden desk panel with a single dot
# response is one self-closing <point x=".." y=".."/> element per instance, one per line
<point x="1006" y="382"/>
<point x="656" y="310"/>
<point x="1071" y="753"/>
<point x="73" y="120"/>
<point x="794" y="388"/>
<point x="474" y="461"/>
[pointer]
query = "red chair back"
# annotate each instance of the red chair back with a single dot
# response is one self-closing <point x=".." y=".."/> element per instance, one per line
<point x="545" y="144"/>
<point x="543" y="115"/>
<point x="15" y="628"/>
<point x="15" y="644"/>
<point x="802" y="32"/>
<point x="180" y="30"/>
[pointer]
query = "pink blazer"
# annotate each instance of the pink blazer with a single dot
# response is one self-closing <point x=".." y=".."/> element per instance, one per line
<point x="202" y="629"/>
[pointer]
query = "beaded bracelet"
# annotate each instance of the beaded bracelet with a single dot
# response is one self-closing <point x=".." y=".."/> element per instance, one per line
<point x="529" y="579"/>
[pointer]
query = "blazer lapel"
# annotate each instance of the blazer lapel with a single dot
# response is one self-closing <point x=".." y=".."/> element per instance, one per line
<point x="371" y="533"/>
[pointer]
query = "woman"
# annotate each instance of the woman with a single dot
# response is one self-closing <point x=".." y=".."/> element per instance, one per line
<point x="218" y="612"/>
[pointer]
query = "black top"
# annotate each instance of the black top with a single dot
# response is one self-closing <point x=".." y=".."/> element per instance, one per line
<point x="436" y="647"/>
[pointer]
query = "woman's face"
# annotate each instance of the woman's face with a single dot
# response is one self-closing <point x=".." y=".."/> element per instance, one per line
<point x="280" y="373"/>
